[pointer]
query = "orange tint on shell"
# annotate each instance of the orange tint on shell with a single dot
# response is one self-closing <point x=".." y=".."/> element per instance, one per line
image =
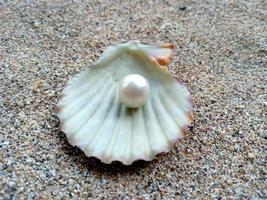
<point x="163" y="61"/>
<point x="167" y="45"/>
<point x="160" y="60"/>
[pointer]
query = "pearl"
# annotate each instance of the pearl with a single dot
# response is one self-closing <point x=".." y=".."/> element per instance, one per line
<point x="134" y="90"/>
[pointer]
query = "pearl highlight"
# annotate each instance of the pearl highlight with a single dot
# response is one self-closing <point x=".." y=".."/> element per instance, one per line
<point x="134" y="90"/>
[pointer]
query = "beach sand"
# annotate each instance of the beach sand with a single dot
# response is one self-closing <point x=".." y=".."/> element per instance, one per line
<point x="220" y="54"/>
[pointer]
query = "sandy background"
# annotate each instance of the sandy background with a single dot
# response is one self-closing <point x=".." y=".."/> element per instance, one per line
<point x="220" y="54"/>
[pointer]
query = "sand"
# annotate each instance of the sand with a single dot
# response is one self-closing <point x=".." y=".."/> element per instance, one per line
<point x="220" y="55"/>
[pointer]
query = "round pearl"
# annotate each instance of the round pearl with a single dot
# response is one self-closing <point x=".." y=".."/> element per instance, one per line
<point x="134" y="90"/>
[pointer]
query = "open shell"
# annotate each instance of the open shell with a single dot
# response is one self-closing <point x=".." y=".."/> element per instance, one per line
<point x="93" y="118"/>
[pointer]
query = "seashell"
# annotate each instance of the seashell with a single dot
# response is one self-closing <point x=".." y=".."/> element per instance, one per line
<point x="95" y="119"/>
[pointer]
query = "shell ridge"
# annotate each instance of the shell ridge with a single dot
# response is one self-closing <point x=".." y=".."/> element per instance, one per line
<point x="139" y="138"/>
<point x="75" y="82"/>
<point x="110" y="148"/>
<point x="70" y="102"/>
<point x="92" y="122"/>
<point x="73" y="109"/>
<point x="93" y="140"/>
<point x="82" y="92"/>
<point x="109" y="117"/>
<point x="181" y="122"/>
<point x="120" y="146"/>
<point x="114" y="133"/>
<point x="146" y="131"/>
<point x="71" y="114"/>
<point x="90" y="116"/>
<point x="129" y="133"/>
<point x="150" y="121"/>
<point x="131" y="143"/>
<point x="159" y="124"/>
<point x="133" y="137"/>
<point x="165" y="116"/>
<point x="180" y="95"/>
<point x="104" y="158"/>
<point x="174" y="108"/>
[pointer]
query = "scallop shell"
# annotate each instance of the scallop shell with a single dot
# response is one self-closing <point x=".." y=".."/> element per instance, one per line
<point x="94" y="120"/>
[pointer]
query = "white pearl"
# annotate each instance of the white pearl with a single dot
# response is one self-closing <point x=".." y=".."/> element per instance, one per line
<point x="134" y="90"/>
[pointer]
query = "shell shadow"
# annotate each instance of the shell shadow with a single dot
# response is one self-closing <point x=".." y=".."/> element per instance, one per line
<point x="76" y="155"/>
<point x="84" y="163"/>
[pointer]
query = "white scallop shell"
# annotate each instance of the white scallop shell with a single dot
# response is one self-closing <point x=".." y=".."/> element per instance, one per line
<point x="94" y="120"/>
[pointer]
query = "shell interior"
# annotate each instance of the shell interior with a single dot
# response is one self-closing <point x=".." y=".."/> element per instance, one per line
<point x="93" y="118"/>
